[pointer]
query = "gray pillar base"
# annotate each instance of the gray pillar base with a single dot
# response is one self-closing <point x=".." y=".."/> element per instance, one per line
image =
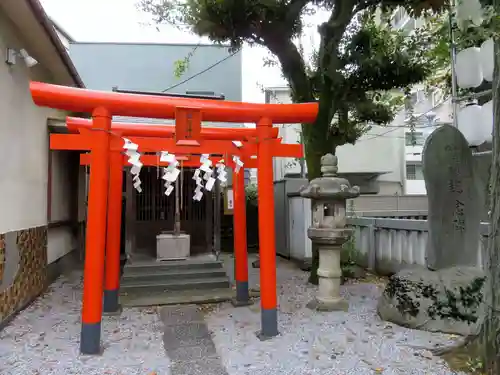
<point x="90" y="339"/>
<point x="339" y="305"/>
<point x="237" y="303"/>
<point x="242" y="294"/>
<point x="269" y="324"/>
<point x="111" y="306"/>
<point x="117" y="312"/>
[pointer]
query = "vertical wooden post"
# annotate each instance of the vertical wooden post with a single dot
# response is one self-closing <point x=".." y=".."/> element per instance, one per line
<point x="113" y="238"/>
<point x="240" y="240"/>
<point x="131" y="215"/>
<point x="209" y="220"/>
<point x="93" y="275"/>
<point x="267" y="251"/>
<point x="217" y="219"/>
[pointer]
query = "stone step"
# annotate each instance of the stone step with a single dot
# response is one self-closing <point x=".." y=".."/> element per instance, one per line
<point x="158" y="275"/>
<point x="174" y="285"/>
<point x="154" y="266"/>
<point x="140" y="299"/>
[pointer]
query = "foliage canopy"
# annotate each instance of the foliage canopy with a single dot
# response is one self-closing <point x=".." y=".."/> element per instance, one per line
<point x="358" y="60"/>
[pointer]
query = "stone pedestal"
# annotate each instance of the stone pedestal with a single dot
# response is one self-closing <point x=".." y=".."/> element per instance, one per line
<point x="172" y="247"/>
<point x="330" y="274"/>
<point x="328" y="297"/>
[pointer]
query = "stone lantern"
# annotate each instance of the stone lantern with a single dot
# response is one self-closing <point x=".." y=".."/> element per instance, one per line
<point x="328" y="231"/>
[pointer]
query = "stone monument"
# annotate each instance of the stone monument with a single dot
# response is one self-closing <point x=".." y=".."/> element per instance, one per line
<point x="455" y="209"/>
<point x="447" y="297"/>
<point x="482" y="168"/>
<point x="328" y="231"/>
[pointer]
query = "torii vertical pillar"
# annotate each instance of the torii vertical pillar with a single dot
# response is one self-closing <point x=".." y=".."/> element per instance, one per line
<point x="93" y="274"/>
<point x="267" y="251"/>
<point x="113" y="236"/>
<point x="240" y="240"/>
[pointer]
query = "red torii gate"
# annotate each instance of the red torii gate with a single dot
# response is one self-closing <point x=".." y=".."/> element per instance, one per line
<point x="117" y="161"/>
<point x="190" y="138"/>
<point x="111" y="290"/>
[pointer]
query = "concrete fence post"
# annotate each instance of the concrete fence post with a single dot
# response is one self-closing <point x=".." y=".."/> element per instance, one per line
<point x="372" y="250"/>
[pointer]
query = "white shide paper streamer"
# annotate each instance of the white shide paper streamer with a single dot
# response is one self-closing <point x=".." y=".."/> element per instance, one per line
<point x="134" y="159"/>
<point x="238" y="163"/>
<point x="203" y="172"/>
<point x="171" y="172"/>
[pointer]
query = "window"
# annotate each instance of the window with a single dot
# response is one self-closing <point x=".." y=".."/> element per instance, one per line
<point x="414" y="139"/>
<point x="411" y="173"/>
<point x="414" y="172"/>
<point x="415" y="98"/>
<point x="437" y="97"/>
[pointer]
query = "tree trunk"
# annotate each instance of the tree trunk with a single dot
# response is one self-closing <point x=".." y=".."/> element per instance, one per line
<point x="317" y="137"/>
<point x="490" y="331"/>
<point x="316" y="145"/>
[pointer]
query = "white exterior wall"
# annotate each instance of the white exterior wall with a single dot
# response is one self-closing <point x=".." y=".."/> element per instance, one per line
<point x="414" y="155"/>
<point x="24" y="151"/>
<point x="415" y="187"/>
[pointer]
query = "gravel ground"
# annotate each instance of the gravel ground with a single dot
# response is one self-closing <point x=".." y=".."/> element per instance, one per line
<point x="356" y="342"/>
<point x="44" y="339"/>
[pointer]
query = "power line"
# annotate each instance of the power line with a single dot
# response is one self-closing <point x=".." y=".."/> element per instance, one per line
<point x="202" y="71"/>
<point x="379" y="135"/>
<point x="273" y="94"/>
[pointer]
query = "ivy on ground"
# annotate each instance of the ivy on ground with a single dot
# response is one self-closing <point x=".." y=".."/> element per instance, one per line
<point x="470" y="298"/>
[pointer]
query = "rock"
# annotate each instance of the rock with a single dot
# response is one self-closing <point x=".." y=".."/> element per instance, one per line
<point x="305" y="265"/>
<point x="256" y="263"/>
<point x="449" y="300"/>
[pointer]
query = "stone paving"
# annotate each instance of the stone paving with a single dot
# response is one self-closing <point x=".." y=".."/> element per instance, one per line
<point x="188" y="342"/>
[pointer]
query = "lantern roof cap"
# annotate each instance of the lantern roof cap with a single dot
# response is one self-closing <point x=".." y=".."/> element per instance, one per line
<point x="329" y="186"/>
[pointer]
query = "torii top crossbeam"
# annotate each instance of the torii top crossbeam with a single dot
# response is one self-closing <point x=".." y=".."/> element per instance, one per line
<point x="82" y="100"/>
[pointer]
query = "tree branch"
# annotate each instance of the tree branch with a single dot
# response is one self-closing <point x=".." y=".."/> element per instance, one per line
<point x="332" y="32"/>
<point x="331" y="35"/>
<point x="295" y="8"/>
<point x="365" y="4"/>
<point x="292" y="65"/>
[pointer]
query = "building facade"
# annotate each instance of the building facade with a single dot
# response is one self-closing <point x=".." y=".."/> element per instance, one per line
<point x="38" y="195"/>
<point x="151" y="68"/>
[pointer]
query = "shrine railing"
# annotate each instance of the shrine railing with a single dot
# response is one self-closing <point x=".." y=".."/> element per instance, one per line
<point x="388" y="245"/>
